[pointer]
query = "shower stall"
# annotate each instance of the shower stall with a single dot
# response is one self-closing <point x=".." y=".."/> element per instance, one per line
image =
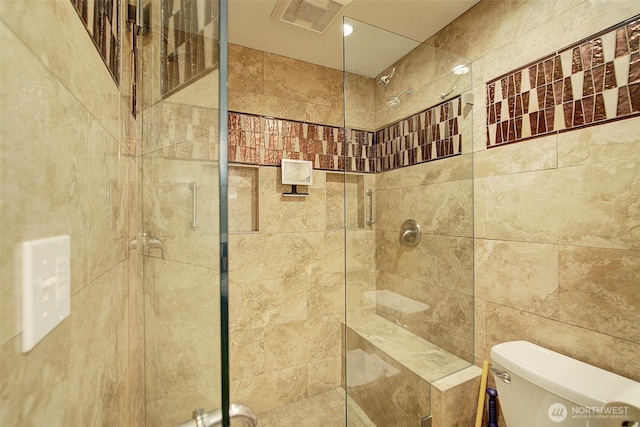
<point x="322" y="305"/>
<point x="409" y="309"/>
<point x="198" y="279"/>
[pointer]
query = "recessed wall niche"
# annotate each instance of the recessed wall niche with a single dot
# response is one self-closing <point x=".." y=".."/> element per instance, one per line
<point x="341" y="187"/>
<point x="243" y="197"/>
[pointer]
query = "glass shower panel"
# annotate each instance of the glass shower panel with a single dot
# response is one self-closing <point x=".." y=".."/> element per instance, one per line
<point x="409" y="308"/>
<point x="179" y="239"/>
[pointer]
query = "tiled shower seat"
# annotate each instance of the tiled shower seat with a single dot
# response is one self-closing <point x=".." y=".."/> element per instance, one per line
<point x="398" y="378"/>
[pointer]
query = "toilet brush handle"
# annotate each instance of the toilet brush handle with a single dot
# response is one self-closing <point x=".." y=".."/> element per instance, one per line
<point x="493" y="409"/>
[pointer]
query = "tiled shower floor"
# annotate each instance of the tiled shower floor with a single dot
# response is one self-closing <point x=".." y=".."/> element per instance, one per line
<point x="323" y="410"/>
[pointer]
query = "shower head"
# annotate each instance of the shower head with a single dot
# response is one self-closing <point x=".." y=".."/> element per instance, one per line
<point x="385" y="79"/>
<point x="395" y="101"/>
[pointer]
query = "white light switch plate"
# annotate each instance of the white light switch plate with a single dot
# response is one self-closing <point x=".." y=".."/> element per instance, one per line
<point x="46" y="287"/>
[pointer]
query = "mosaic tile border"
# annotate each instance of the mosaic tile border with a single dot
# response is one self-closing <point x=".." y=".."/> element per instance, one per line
<point x="591" y="82"/>
<point x="101" y="18"/>
<point x="429" y="135"/>
<point x="189" y="45"/>
<point x="266" y="141"/>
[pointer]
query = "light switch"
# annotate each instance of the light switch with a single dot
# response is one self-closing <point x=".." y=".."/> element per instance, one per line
<point x="46" y="287"/>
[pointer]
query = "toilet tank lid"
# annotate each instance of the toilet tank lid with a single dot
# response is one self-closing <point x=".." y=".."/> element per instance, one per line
<point x="568" y="378"/>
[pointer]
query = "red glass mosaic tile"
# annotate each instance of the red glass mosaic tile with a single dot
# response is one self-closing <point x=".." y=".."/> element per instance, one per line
<point x="598" y="54"/>
<point x="598" y="78"/>
<point x="586" y="53"/>
<point x="576" y="62"/>
<point x="599" y="111"/>
<point x="624" y="103"/>
<point x="622" y="45"/>
<point x="587" y="87"/>
<point x="525" y="102"/>
<point x="592" y="79"/>
<point x="532" y="75"/>
<point x="634" y="92"/>
<point x="578" y="116"/>
<point x="504" y="85"/>
<point x="278" y="138"/>
<point x="634" y="68"/>
<point x="568" y="114"/>
<point x="588" y="108"/>
<point x="633" y="32"/>
<point x="557" y="69"/>
<point x="609" y="76"/>
<point x="548" y="70"/>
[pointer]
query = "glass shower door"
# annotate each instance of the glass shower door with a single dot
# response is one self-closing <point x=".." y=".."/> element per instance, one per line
<point x="408" y="289"/>
<point x="179" y="239"/>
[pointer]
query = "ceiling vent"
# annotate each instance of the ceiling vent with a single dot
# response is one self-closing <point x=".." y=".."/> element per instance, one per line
<point x="315" y="15"/>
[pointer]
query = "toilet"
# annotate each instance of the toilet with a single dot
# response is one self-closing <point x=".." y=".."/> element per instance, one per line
<point x="538" y="387"/>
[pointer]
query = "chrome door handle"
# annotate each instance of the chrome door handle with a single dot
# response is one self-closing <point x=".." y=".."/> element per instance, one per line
<point x="214" y="418"/>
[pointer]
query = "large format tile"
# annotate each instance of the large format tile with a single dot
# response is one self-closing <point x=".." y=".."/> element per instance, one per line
<point x="71" y="376"/>
<point x="518" y="274"/>
<point x="586" y="205"/>
<point x="283" y="214"/>
<point x="75" y="57"/>
<point x="271" y="389"/>
<point x="267" y="105"/>
<point x="419" y="262"/>
<point x="326" y="294"/>
<point x="257" y="304"/>
<point x="537" y="154"/>
<point x="359" y="101"/>
<point x="610" y="142"/>
<point x="440" y="208"/>
<point x="325" y="375"/>
<point x="302" y="81"/>
<point x="108" y="196"/>
<point x="314" y="339"/>
<point x="270" y="256"/>
<point x="246" y="353"/>
<point x="45" y="195"/>
<point x="246" y="69"/>
<point x="443" y="317"/>
<point x="600" y="290"/>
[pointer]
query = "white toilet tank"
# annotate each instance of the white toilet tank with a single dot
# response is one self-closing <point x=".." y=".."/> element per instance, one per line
<point x="538" y="387"/>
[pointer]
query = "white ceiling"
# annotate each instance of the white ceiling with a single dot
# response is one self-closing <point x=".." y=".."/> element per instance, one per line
<point x="251" y="25"/>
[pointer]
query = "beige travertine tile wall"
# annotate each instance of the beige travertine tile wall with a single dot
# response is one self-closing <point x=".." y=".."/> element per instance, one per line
<point x="68" y="167"/>
<point x="181" y="281"/>
<point x="556" y="219"/>
<point x="286" y="292"/>
<point x="286" y="281"/>
<point x="179" y="147"/>
<point x="439" y="271"/>
<point x="262" y="83"/>
<point x="439" y="195"/>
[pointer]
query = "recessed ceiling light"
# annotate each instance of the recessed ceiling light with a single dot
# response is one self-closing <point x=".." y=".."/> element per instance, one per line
<point x="460" y="69"/>
<point x="348" y="29"/>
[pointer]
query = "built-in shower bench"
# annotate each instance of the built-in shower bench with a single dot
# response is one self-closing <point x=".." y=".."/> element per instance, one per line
<point x="398" y="377"/>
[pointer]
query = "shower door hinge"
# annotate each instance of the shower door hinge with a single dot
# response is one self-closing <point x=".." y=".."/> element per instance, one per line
<point x="426" y="421"/>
